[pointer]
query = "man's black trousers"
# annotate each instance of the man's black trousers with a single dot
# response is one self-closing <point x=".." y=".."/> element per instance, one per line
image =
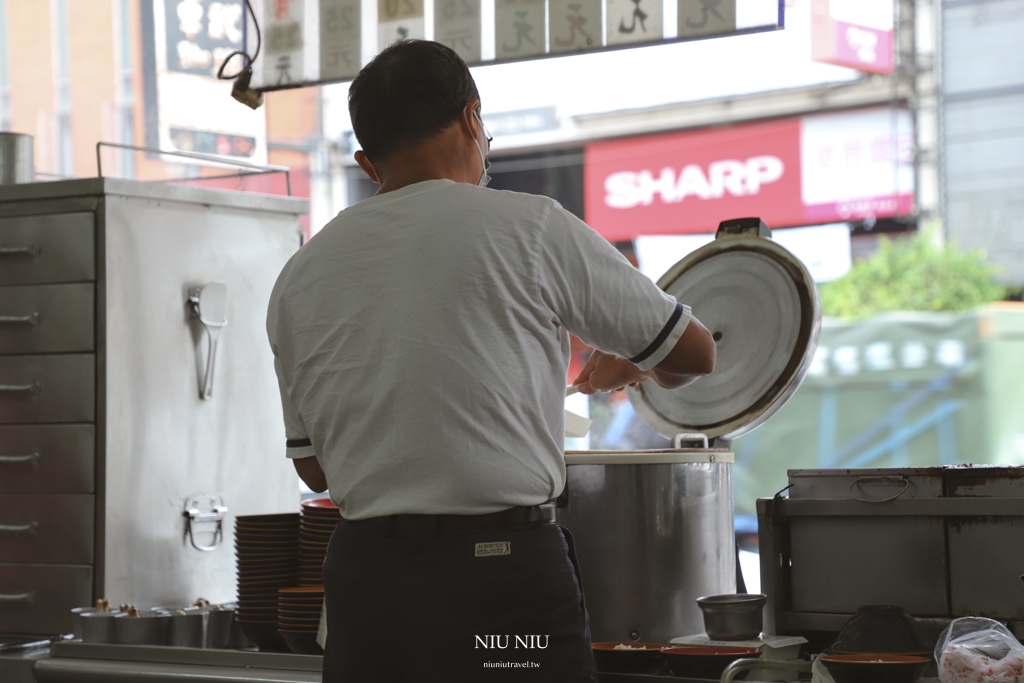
<point x="420" y="605"/>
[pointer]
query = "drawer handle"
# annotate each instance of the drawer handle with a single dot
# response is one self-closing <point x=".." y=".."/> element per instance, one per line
<point x="29" y="597"/>
<point x="29" y="528"/>
<point x="33" y="388"/>
<point x="31" y="250"/>
<point x="32" y="319"/>
<point x="31" y="458"/>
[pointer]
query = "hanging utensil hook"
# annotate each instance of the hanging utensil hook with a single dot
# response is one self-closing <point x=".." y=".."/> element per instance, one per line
<point x="209" y="304"/>
<point x="212" y="513"/>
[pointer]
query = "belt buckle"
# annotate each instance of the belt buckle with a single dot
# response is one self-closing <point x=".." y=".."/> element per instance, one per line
<point x="547" y="513"/>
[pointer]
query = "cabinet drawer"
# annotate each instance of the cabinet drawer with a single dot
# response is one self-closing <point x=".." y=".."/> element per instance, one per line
<point x="47" y="318"/>
<point x="50" y="459"/>
<point x="39" y="598"/>
<point x="58" y="388"/>
<point x="49" y="248"/>
<point x="47" y="528"/>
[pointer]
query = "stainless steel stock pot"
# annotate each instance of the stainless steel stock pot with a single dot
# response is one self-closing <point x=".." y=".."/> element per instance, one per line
<point x="654" y="529"/>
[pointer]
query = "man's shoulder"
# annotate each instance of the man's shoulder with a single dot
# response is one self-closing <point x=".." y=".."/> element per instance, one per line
<point x="522" y="200"/>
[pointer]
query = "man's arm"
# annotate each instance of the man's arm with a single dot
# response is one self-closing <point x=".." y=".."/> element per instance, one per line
<point x="692" y="357"/>
<point x="311" y="473"/>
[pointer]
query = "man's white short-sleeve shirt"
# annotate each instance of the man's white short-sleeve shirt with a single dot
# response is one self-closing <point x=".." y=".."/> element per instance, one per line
<point x="421" y="341"/>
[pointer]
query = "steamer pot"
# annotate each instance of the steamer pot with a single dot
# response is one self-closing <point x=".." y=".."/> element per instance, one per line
<point x="654" y="529"/>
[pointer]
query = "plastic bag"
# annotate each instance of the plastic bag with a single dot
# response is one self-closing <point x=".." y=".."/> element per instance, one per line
<point x="978" y="650"/>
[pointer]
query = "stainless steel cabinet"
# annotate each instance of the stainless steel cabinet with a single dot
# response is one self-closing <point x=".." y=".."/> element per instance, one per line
<point x="47" y="247"/>
<point x="47" y="415"/>
<point x="47" y="528"/>
<point x="48" y="459"/>
<point x="38" y="598"/>
<point x="942" y="542"/>
<point x="50" y="388"/>
<point x="47" y="318"/>
<point x="104" y="438"/>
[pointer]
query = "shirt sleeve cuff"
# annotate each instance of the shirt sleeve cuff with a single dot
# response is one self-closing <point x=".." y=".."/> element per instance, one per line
<point x="299" y="448"/>
<point x="666" y="339"/>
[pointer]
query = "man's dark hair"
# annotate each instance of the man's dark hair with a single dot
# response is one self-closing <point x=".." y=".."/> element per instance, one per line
<point x="408" y="93"/>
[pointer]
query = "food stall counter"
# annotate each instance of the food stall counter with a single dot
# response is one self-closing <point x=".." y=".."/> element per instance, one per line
<point x="75" y="662"/>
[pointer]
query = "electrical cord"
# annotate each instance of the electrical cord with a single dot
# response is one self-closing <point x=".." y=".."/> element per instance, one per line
<point x="249" y="60"/>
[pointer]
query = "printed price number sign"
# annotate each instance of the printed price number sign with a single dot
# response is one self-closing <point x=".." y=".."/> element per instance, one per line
<point x="340" y="41"/>
<point x="574" y="25"/>
<point x="457" y="25"/>
<point x="284" y="42"/>
<point x="519" y="28"/>
<point x="399" y="20"/>
<point x="706" y="17"/>
<point x="634" y="21"/>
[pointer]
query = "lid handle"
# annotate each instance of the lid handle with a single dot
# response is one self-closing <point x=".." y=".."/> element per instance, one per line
<point x="744" y="226"/>
<point x="691" y="436"/>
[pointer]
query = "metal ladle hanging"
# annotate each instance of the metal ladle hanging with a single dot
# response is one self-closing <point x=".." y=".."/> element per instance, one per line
<point x="209" y="304"/>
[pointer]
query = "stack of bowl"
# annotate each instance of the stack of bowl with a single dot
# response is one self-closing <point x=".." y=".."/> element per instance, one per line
<point x="298" y="617"/>
<point x="319" y="518"/>
<point x="267" y="551"/>
<point x="881" y="644"/>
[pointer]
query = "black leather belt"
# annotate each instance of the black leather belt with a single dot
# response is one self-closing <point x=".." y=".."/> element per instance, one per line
<point x="434" y="525"/>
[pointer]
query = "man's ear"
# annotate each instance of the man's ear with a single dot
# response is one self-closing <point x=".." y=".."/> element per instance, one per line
<point x="468" y="118"/>
<point x="368" y="169"/>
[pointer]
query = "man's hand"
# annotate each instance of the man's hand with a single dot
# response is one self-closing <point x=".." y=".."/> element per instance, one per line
<point x="606" y="372"/>
<point x="691" y="358"/>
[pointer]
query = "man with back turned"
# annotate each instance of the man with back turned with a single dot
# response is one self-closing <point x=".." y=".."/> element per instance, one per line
<point x="421" y="341"/>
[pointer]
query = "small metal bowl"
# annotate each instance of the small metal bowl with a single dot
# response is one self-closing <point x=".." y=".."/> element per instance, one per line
<point x="149" y="628"/>
<point x="98" y="627"/>
<point x="76" y="619"/>
<point x="733" y="617"/>
<point x="218" y="631"/>
<point x="188" y="627"/>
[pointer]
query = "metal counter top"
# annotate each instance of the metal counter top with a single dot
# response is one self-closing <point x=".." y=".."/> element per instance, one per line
<point x="91" y="663"/>
<point x="74" y="662"/>
<point x="156" y="190"/>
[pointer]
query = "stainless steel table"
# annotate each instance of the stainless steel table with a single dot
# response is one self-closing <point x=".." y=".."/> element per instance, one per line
<point x="88" y="663"/>
<point x="73" y="662"/>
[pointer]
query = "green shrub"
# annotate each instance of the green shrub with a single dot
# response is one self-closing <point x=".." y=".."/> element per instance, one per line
<point x="912" y="275"/>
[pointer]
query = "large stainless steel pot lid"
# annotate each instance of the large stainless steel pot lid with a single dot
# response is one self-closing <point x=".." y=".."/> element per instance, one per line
<point x="761" y="306"/>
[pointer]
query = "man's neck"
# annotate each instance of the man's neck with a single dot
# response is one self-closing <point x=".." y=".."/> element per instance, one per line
<point x="440" y="157"/>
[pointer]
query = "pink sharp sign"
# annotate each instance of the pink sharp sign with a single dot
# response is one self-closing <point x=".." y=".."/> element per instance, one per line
<point x="808" y="170"/>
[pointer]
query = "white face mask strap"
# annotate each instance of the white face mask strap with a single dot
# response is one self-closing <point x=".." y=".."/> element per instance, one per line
<point x="484" y="178"/>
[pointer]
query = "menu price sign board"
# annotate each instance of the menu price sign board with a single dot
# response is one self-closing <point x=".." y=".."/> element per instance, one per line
<point x="519" y="28"/>
<point x="706" y="17"/>
<point x="574" y="25"/>
<point x="457" y="25"/>
<point x="399" y="20"/>
<point x="634" y="21"/>
<point x="340" y="39"/>
<point x="284" y="42"/>
<point x="309" y="42"/>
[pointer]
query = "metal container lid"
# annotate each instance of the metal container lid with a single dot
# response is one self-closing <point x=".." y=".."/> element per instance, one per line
<point x="761" y="306"/>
